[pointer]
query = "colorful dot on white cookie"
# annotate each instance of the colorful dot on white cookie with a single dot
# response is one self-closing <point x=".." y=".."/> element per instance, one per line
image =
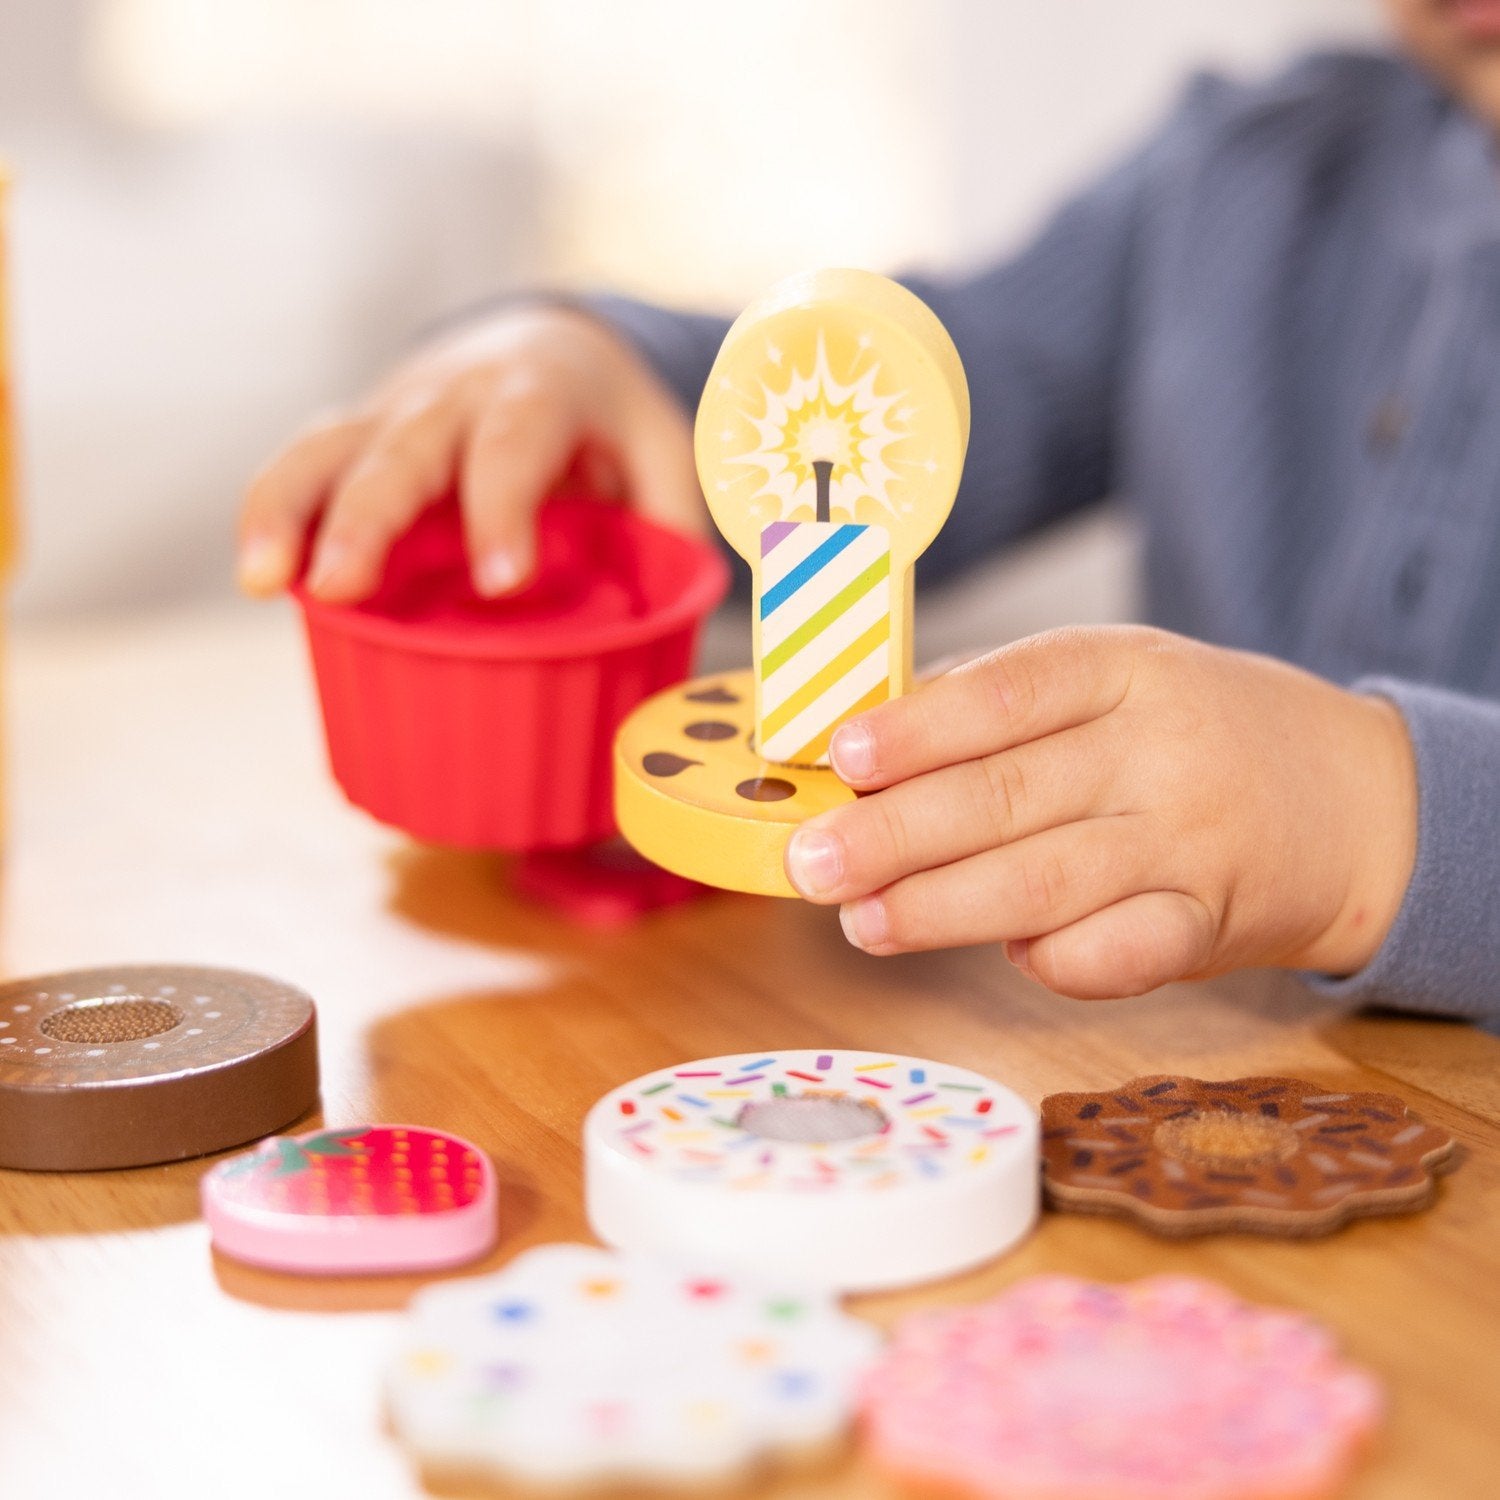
<point x="580" y="1367"/>
<point x="367" y="1198"/>
<point x="830" y="439"/>
<point x="854" y="1170"/>
<point x="1164" y="1389"/>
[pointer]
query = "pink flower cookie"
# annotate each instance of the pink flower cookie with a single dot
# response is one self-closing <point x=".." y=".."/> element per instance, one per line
<point x="1164" y="1389"/>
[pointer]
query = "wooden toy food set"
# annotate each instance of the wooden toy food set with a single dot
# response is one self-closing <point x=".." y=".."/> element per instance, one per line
<point x="739" y="1195"/>
<point x="742" y="1194"/>
<point x="830" y="440"/>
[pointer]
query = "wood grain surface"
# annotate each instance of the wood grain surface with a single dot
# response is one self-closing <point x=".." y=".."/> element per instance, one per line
<point x="169" y="803"/>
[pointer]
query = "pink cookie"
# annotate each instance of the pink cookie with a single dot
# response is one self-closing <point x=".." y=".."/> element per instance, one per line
<point x="365" y="1198"/>
<point x="1165" y="1389"/>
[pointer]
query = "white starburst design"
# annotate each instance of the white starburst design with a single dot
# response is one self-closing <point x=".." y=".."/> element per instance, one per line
<point x="814" y="417"/>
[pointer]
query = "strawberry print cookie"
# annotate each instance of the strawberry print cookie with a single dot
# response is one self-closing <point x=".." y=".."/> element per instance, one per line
<point x="365" y="1198"/>
<point x="1273" y="1155"/>
<point x="581" y="1368"/>
<point x="1165" y="1389"/>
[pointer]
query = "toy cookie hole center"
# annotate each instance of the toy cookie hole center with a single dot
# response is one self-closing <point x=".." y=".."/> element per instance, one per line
<point x="812" y="1119"/>
<point x="114" y="1018"/>
<point x="1222" y="1138"/>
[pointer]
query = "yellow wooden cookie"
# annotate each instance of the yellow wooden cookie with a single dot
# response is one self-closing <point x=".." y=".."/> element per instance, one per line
<point x="692" y="795"/>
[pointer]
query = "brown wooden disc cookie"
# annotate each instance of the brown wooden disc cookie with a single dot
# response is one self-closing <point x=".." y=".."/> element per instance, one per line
<point x="127" y="1066"/>
<point x="1272" y="1155"/>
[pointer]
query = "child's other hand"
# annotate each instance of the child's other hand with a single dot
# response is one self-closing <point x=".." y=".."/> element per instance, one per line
<point x="500" y="410"/>
<point x="1121" y="807"/>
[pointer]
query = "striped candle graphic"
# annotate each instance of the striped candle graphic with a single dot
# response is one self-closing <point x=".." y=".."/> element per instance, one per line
<point x="825" y="633"/>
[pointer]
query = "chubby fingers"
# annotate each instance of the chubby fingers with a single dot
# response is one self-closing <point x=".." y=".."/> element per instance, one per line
<point x="521" y="444"/>
<point x="406" y="461"/>
<point x="1021" y="692"/>
<point x="1146" y="940"/>
<point x="283" y="497"/>
<point x="1037" y="885"/>
<point x="954" y="812"/>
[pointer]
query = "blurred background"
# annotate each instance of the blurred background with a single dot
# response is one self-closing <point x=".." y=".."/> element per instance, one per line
<point x="230" y="213"/>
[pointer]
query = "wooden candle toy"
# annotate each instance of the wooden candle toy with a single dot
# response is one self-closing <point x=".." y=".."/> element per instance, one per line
<point x="830" y="440"/>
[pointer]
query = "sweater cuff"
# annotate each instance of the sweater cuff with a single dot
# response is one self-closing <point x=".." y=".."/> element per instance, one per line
<point x="1442" y="954"/>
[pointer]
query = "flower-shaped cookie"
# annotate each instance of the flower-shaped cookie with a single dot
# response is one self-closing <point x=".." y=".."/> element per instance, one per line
<point x="579" y="1367"/>
<point x="1275" y="1155"/>
<point x="1167" y="1389"/>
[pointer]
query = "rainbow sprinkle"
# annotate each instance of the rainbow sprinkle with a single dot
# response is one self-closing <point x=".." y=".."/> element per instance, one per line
<point x="909" y="1138"/>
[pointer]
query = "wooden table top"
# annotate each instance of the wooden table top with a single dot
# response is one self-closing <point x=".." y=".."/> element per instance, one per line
<point x="169" y="802"/>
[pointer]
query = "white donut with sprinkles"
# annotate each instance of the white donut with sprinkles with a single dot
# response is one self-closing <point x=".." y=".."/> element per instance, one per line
<point x="855" y="1169"/>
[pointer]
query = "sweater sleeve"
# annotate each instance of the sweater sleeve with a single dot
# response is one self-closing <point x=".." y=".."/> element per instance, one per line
<point x="1044" y="338"/>
<point x="1442" y="954"/>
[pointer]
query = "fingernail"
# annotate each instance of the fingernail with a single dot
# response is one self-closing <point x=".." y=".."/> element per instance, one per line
<point x="263" y="565"/>
<point x="852" y="752"/>
<point x="330" y="560"/>
<point x="814" y="861"/>
<point x="864" y="922"/>
<point x="497" y="572"/>
<point x="1016" y="951"/>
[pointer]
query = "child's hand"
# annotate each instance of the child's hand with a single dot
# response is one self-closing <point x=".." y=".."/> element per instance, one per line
<point x="1121" y="807"/>
<point x="501" y="410"/>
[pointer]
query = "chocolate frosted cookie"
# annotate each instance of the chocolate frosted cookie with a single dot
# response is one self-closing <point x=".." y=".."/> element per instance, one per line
<point x="1272" y="1155"/>
<point x="127" y="1066"/>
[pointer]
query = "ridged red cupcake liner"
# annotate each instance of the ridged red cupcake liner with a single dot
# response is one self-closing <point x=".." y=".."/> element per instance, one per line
<point x="489" y="724"/>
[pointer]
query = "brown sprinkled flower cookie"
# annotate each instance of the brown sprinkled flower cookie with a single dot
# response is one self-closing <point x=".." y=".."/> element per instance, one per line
<point x="1272" y="1155"/>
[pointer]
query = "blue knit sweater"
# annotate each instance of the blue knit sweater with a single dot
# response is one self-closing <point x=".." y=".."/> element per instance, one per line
<point x="1274" y="333"/>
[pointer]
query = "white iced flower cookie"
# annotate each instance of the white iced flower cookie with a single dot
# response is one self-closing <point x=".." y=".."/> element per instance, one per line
<point x="583" y="1368"/>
